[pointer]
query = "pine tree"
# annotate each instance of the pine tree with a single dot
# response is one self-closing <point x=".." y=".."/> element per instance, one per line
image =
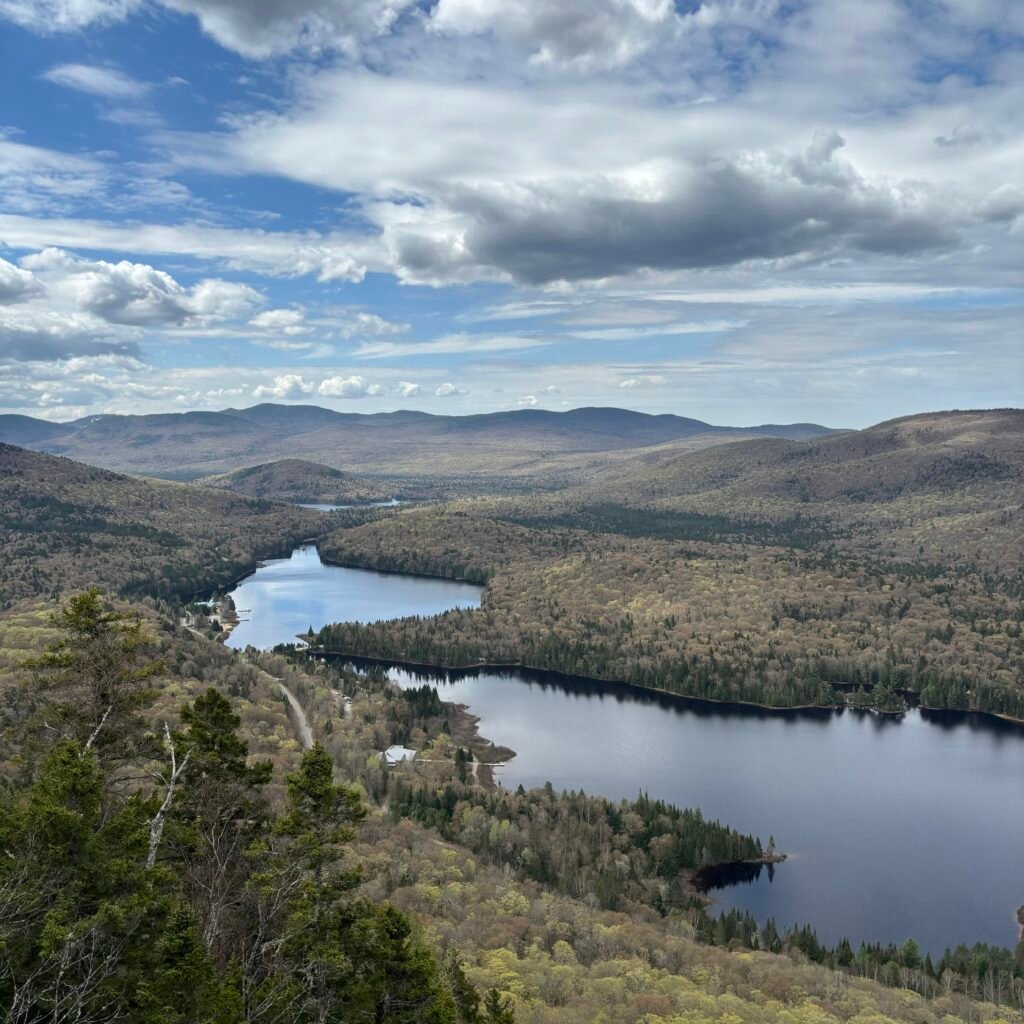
<point x="498" y="1008"/>
<point x="347" y="959"/>
<point x="92" y="681"/>
<point x="466" y="997"/>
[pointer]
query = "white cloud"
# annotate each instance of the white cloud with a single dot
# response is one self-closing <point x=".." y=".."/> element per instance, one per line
<point x="97" y="81"/>
<point x="277" y="253"/>
<point x="579" y="33"/>
<point x="447" y="345"/>
<point x="282" y="321"/>
<point x="634" y="332"/>
<point x="288" y="386"/>
<point x="349" y="387"/>
<point x="525" y="309"/>
<point x="212" y="300"/>
<point x="28" y="335"/>
<point x="804" y="294"/>
<point x="138" y="294"/>
<point x="967" y="135"/>
<point x="760" y="206"/>
<point x="801" y="172"/>
<point x="847" y="367"/>
<point x="253" y="29"/>
<point x="326" y="263"/>
<point x="276" y="26"/>
<point x="527" y="401"/>
<point x="1002" y="206"/>
<point x="33" y="179"/>
<point x="449" y="390"/>
<point x="309" y="349"/>
<point x="566" y="183"/>
<point x="371" y="325"/>
<point x="406" y="389"/>
<point x="46" y="16"/>
<point x="17" y="285"/>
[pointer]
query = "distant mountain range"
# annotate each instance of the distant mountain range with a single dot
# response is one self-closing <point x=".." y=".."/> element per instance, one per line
<point x="193" y="444"/>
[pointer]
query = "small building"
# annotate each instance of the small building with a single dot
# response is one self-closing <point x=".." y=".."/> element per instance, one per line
<point x="397" y="754"/>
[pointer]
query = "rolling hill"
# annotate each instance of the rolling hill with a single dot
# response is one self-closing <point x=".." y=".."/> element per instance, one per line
<point x="27" y="430"/>
<point x="756" y="570"/>
<point x="944" y="487"/>
<point x="299" y="481"/>
<point x="942" y="452"/>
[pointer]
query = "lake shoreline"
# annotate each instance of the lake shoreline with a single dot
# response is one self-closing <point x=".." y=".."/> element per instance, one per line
<point x="399" y="572"/>
<point x="702" y="880"/>
<point x="593" y="680"/>
<point x="517" y="666"/>
<point x="729" y="757"/>
<point x="467" y="733"/>
<point x="494" y="666"/>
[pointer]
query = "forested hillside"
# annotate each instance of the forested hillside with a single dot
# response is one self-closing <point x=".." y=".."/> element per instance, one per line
<point x="66" y="526"/>
<point x="148" y="876"/>
<point x="213" y="885"/>
<point x="944" y="488"/>
<point x="300" y="481"/>
<point x="176" y="856"/>
<point x="746" y="572"/>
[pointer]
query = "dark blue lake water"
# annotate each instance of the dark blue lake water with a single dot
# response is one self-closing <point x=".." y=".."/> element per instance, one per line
<point x="895" y="827"/>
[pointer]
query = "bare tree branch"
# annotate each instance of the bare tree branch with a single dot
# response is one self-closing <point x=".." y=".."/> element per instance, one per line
<point x="156" y="827"/>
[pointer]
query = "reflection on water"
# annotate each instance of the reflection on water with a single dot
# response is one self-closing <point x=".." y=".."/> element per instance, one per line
<point x="894" y="826"/>
<point x="286" y="596"/>
<point x="723" y="876"/>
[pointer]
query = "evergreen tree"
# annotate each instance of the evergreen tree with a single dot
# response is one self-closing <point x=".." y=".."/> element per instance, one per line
<point x="93" y="680"/>
<point x="498" y="1008"/>
<point x="85" y="928"/>
<point x="346" y="959"/>
<point x="466" y="997"/>
<point x="232" y="917"/>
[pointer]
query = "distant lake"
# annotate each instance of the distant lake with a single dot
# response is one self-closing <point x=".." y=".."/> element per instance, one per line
<point x="337" y="508"/>
<point x="285" y="596"/>
<point x="895" y="827"/>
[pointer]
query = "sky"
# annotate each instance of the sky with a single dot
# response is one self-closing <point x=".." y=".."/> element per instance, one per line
<point x="745" y="211"/>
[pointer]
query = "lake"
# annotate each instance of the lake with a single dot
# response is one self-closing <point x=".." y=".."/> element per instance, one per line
<point x="285" y="596"/>
<point x="894" y="827"/>
<point x="321" y="507"/>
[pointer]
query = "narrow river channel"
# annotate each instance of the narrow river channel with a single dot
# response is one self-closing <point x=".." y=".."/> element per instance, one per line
<point x="895" y="827"/>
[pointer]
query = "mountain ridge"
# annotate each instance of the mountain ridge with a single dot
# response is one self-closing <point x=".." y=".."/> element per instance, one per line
<point x="197" y="443"/>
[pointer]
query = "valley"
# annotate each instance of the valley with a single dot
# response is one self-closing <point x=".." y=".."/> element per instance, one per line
<point x="846" y="824"/>
<point x="511" y="512"/>
<point x="742" y="574"/>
